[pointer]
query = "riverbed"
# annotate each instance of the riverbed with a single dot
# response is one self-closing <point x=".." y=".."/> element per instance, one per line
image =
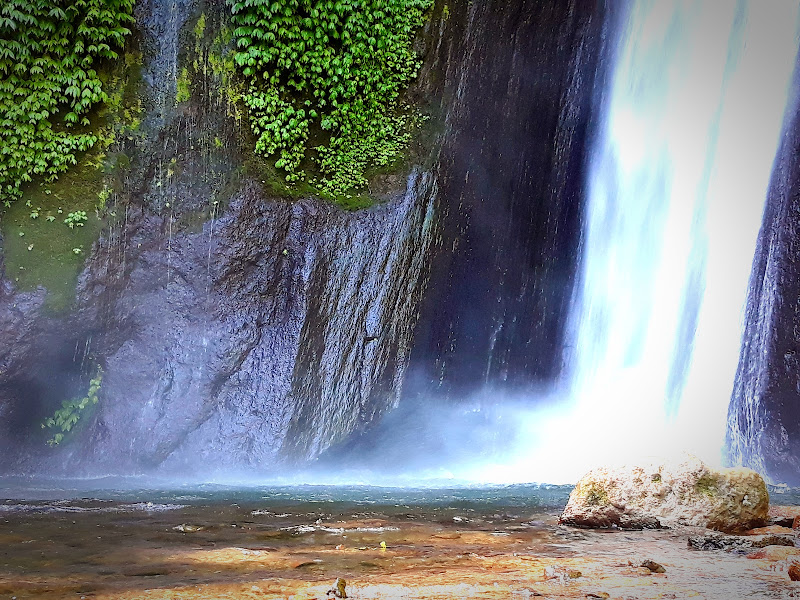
<point x="295" y="541"/>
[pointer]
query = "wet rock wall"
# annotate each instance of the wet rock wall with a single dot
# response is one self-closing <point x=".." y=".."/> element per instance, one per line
<point x="522" y="82"/>
<point x="235" y="329"/>
<point x="764" y="413"/>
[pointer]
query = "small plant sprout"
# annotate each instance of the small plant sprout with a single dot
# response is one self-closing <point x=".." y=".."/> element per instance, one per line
<point x="77" y="250"/>
<point x="71" y="411"/>
<point x="76" y="219"/>
<point x="35" y="213"/>
<point x="104" y="194"/>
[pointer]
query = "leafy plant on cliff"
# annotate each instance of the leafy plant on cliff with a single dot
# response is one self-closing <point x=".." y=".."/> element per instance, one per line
<point x="49" y="83"/>
<point x="66" y="417"/>
<point x="324" y="79"/>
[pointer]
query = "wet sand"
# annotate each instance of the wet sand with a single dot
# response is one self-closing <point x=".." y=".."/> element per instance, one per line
<point x="112" y="550"/>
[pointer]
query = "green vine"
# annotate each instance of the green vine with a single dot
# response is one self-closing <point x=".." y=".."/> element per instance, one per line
<point x="66" y="417"/>
<point x="324" y="82"/>
<point x="48" y="82"/>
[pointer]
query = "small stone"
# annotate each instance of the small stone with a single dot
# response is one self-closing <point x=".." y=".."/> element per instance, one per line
<point x="187" y="528"/>
<point x="773" y="540"/>
<point x="782" y="521"/>
<point x="796" y="523"/>
<point x="653" y="566"/>
<point x="794" y="572"/>
<point x="562" y="574"/>
<point x="338" y="589"/>
<point x="598" y="595"/>
<point x="729" y="543"/>
<point x="574" y="573"/>
<point x="771" y="530"/>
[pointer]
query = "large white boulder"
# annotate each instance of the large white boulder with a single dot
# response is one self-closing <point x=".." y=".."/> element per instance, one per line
<point x="660" y="495"/>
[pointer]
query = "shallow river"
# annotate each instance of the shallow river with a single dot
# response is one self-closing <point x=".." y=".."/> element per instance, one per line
<point x="89" y="540"/>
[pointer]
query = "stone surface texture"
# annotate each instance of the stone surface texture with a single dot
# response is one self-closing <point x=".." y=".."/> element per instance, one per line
<point x="651" y="496"/>
<point x="764" y="412"/>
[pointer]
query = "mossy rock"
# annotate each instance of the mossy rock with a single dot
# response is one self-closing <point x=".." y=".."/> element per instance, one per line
<point x="686" y="493"/>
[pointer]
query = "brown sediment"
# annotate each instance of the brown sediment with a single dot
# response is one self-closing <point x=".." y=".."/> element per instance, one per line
<point x="230" y="552"/>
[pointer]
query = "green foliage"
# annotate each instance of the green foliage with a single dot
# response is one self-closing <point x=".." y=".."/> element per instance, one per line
<point x="324" y="79"/>
<point x="48" y="83"/>
<point x="183" y="93"/>
<point x="71" y="411"/>
<point x="76" y="219"/>
<point x="200" y="26"/>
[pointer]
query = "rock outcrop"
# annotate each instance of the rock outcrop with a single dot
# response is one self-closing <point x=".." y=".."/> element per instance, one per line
<point x="652" y="496"/>
<point x="234" y="326"/>
<point x="764" y="412"/>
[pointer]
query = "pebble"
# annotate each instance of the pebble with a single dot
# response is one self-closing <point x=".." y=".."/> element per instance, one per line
<point x="653" y="566"/>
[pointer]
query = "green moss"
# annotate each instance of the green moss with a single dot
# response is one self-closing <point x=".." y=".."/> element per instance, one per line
<point x="39" y="249"/>
<point x="594" y="495"/>
<point x="261" y="169"/>
<point x="707" y="485"/>
<point x="183" y="93"/>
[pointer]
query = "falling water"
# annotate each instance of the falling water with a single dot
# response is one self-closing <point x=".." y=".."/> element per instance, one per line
<point x="678" y="179"/>
<point x="677" y="191"/>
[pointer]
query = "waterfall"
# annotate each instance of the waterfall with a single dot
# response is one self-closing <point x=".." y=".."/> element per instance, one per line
<point x="677" y="181"/>
<point x="677" y="189"/>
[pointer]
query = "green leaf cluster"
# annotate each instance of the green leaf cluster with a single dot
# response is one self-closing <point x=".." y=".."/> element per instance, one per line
<point x="324" y="83"/>
<point x="48" y="82"/>
<point x="66" y="417"/>
<point x="76" y="219"/>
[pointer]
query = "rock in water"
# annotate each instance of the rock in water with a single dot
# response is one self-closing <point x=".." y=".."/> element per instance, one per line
<point x="653" y="566"/>
<point x="688" y="493"/>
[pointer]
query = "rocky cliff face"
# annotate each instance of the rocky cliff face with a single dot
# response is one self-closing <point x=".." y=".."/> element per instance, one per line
<point x="764" y="414"/>
<point x="229" y="324"/>
<point x="258" y="331"/>
<point x="265" y="339"/>
<point x="521" y="81"/>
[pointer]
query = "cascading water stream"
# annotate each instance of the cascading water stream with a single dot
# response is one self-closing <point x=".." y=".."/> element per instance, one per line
<point x="677" y="191"/>
<point x="677" y="182"/>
